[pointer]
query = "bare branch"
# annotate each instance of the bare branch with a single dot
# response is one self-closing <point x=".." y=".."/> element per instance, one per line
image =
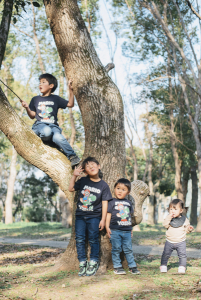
<point x="109" y="67"/>
<point x="193" y="9"/>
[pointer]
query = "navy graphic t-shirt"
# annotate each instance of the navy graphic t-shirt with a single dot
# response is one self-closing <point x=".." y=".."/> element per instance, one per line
<point x="46" y="108"/>
<point x="91" y="195"/>
<point x="121" y="211"/>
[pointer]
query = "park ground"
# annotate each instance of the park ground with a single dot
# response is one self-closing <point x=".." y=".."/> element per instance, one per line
<point x="25" y="270"/>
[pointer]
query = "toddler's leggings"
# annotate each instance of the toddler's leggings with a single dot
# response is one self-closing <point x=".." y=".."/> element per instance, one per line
<point x="181" y="251"/>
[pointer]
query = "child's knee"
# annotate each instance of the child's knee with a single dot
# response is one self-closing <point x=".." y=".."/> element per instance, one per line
<point x="58" y="137"/>
<point x="46" y="133"/>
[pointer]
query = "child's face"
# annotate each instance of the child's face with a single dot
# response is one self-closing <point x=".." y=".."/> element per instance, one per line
<point x="44" y="86"/>
<point x="91" y="168"/>
<point x="175" y="210"/>
<point x="121" y="191"/>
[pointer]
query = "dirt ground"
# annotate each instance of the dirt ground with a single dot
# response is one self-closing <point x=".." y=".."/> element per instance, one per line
<point x="24" y="275"/>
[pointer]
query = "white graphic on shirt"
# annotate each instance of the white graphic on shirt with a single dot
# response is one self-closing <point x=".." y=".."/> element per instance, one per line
<point x="87" y="200"/>
<point x="123" y="213"/>
<point x="45" y="113"/>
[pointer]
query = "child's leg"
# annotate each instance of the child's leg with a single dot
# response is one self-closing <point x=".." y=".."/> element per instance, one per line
<point x="169" y="247"/>
<point x="116" y="241"/>
<point x="43" y="131"/>
<point x="181" y="251"/>
<point x="93" y="236"/>
<point x="80" y="236"/>
<point x="127" y="248"/>
<point x="62" y="142"/>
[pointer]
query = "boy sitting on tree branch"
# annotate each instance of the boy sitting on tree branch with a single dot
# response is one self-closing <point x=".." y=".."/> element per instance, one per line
<point x="45" y="108"/>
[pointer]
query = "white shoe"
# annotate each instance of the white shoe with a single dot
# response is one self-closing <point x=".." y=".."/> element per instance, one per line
<point x="163" y="269"/>
<point x="181" y="270"/>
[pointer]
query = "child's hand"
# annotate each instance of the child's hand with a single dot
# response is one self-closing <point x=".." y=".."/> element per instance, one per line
<point x="131" y="233"/>
<point x="24" y="104"/>
<point x="101" y="225"/>
<point x="77" y="171"/>
<point x="70" y="85"/>
<point x="190" y="228"/>
<point x="108" y="232"/>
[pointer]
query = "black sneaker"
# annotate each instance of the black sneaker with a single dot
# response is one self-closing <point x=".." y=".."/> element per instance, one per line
<point x="74" y="160"/>
<point x="134" y="271"/>
<point x="92" y="268"/>
<point x="119" y="271"/>
<point x="83" y="268"/>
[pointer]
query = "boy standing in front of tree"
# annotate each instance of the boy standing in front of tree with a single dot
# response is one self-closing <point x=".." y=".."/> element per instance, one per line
<point x="45" y="108"/>
<point x="119" y="227"/>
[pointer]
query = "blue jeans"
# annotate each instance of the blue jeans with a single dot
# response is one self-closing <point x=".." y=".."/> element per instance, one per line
<point x="122" y="240"/>
<point x="88" y="225"/>
<point x="52" y="132"/>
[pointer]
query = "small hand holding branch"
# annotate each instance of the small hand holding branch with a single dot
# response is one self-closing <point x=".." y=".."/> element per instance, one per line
<point x="24" y="104"/>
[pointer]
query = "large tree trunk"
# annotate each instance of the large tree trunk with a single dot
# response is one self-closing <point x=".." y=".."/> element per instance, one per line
<point x="10" y="188"/>
<point x="66" y="215"/>
<point x="5" y="26"/>
<point x="194" y="201"/>
<point x="100" y="103"/>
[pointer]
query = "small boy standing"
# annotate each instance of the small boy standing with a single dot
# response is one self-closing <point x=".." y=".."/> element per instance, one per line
<point x="119" y="227"/>
<point x="45" y="108"/>
<point x="91" y="212"/>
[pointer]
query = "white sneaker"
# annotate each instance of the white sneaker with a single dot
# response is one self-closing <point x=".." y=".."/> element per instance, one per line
<point x="181" y="270"/>
<point x="163" y="269"/>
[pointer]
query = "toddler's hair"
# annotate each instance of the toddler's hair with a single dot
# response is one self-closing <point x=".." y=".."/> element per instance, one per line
<point x="124" y="181"/>
<point x="174" y="202"/>
<point x="51" y="79"/>
<point x="91" y="159"/>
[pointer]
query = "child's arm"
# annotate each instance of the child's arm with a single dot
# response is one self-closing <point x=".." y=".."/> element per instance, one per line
<point x="76" y="173"/>
<point x="71" y="95"/>
<point x="30" y="113"/>
<point x="189" y="228"/>
<point x="108" y="219"/>
<point x="104" y="214"/>
<point x="166" y="222"/>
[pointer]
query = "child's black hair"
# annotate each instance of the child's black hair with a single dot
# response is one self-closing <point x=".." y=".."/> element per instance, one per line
<point x="174" y="202"/>
<point x="51" y="79"/>
<point x="91" y="159"/>
<point x="124" y="181"/>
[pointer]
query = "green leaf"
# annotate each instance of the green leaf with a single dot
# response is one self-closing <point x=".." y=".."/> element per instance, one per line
<point x="14" y="20"/>
<point x="36" y="4"/>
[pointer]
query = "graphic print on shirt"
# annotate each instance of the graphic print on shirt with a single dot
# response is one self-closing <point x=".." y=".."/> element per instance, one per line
<point x="88" y="198"/>
<point x="124" y="214"/>
<point x="46" y="111"/>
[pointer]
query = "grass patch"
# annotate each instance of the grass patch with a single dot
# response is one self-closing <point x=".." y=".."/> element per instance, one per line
<point x="155" y="235"/>
<point x="33" y="230"/>
<point x="26" y="281"/>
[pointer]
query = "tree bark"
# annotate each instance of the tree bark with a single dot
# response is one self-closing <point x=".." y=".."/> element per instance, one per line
<point x="5" y="26"/>
<point x="194" y="201"/>
<point x="100" y="103"/>
<point x="10" y="189"/>
<point x="66" y="215"/>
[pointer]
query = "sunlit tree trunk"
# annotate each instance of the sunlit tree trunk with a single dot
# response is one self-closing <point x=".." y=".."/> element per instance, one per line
<point x="10" y="188"/>
<point x="99" y="101"/>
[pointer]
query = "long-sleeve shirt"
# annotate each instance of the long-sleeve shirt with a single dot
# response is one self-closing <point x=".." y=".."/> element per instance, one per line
<point x="175" y="235"/>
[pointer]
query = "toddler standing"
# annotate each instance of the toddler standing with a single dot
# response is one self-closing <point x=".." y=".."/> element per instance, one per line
<point x="119" y="227"/>
<point x="177" y="226"/>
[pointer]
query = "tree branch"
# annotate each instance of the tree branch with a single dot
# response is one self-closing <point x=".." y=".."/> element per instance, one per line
<point x="109" y="67"/>
<point x="193" y="9"/>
